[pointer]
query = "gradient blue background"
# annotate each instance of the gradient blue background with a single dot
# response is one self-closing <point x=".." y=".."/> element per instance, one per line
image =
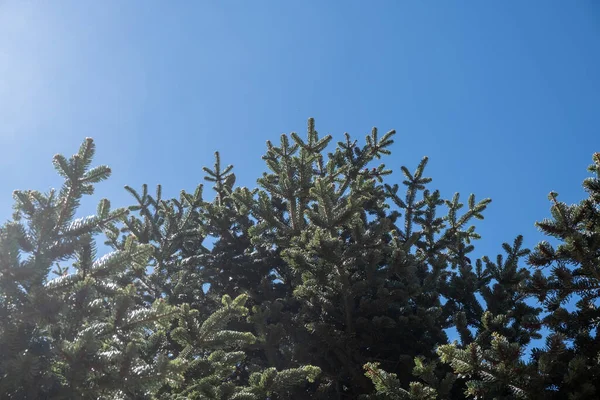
<point x="502" y="96"/>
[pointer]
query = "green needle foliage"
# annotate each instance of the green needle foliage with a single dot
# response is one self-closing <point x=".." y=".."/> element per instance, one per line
<point x="106" y="328"/>
<point x="81" y="334"/>
<point x="325" y="281"/>
<point x="355" y="269"/>
<point x="568" y="366"/>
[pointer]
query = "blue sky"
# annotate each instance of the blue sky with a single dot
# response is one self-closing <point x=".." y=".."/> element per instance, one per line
<point x="502" y="96"/>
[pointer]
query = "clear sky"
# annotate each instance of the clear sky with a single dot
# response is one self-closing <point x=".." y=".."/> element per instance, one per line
<point x="502" y="96"/>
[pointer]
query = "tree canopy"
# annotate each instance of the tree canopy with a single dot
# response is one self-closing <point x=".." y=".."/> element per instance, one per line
<point x="325" y="281"/>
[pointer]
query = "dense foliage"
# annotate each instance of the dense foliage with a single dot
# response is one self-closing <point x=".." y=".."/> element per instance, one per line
<point x="326" y="281"/>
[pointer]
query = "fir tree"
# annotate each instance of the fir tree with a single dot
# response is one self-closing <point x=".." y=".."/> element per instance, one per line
<point x="567" y="368"/>
<point x="327" y="281"/>
<point x="490" y="355"/>
<point x="107" y="328"/>
<point x="570" y="363"/>
<point x="360" y="283"/>
<point x="187" y="271"/>
<point x="339" y="268"/>
<point x="81" y="334"/>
